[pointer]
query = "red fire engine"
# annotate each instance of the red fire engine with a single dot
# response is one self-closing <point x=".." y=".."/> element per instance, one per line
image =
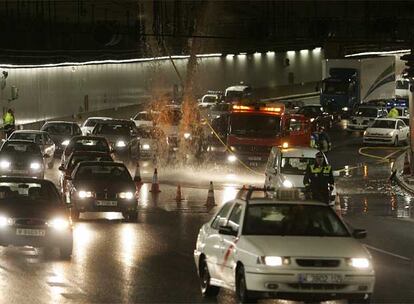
<point x="255" y="128"/>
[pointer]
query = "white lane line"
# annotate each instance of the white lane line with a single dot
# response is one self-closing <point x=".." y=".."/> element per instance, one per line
<point x="388" y="253"/>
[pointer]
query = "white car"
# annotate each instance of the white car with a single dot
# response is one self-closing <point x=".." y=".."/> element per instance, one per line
<point x="145" y="118"/>
<point x="387" y="131"/>
<point x="286" y="166"/>
<point x="208" y="100"/>
<point x="299" y="250"/>
<point x="90" y="123"/>
<point x="364" y="117"/>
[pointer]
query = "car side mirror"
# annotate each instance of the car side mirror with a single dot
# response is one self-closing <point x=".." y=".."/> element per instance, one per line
<point x="359" y="233"/>
<point x="226" y="230"/>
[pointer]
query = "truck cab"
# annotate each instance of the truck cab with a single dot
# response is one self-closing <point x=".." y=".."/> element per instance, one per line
<point x="255" y="128"/>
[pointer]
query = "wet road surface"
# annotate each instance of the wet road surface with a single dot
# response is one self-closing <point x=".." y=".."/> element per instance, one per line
<point x="151" y="261"/>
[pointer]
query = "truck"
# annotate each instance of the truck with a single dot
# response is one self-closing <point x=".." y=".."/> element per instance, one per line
<point x="349" y="82"/>
<point x="253" y="129"/>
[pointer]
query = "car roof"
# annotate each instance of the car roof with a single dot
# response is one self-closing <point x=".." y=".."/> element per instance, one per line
<point x="74" y="153"/>
<point x="299" y="152"/>
<point x="30" y="131"/>
<point x="109" y="163"/>
<point x="237" y="88"/>
<point x="312" y="105"/>
<point x="12" y="179"/>
<point x="99" y="117"/>
<point x="260" y="201"/>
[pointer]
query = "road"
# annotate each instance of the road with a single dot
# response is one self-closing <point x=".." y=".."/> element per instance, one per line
<point x="151" y="261"/>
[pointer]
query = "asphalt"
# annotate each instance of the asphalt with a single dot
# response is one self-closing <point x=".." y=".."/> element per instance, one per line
<point x="151" y="261"/>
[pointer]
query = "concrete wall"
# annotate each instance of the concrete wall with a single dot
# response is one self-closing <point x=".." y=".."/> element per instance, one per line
<point x="49" y="92"/>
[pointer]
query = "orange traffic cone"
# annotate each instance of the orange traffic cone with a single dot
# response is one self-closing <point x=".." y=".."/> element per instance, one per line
<point x="210" y="197"/>
<point x="137" y="176"/>
<point x="178" y="197"/>
<point x="337" y="206"/>
<point x="155" y="187"/>
<point x="407" y="166"/>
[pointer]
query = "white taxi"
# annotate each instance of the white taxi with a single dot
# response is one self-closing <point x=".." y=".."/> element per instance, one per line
<point x="287" y="249"/>
<point x="387" y="131"/>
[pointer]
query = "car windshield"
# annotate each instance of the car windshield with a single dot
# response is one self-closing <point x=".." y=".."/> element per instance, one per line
<point x="261" y="126"/>
<point x="114" y="129"/>
<point x="102" y="172"/>
<point x="83" y="144"/>
<point x="59" y="129"/>
<point x="295" y="165"/>
<point x="23" y="193"/>
<point x="93" y="157"/>
<point x="20" y="147"/>
<point x="367" y="112"/>
<point x="210" y="99"/>
<point x="92" y="122"/>
<point x="35" y="137"/>
<point x="293" y="220"/>
<point x="335" y="87"/>
<point x="384" y="124"/>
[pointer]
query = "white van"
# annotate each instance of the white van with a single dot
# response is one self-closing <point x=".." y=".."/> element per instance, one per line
<point x="286" y="167"/>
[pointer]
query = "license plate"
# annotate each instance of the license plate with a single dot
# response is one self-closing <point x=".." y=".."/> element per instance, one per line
<point x="20" y="171"/>
<point x="255" y="158"/>
<point x="106" y="203"/>
<point x="30" y="232"/>
<point x="253" y="164"/>
<point x="320" y="278"/>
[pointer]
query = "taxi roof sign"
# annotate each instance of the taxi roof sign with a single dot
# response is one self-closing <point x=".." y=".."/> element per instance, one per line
<point x="272" y="108"/>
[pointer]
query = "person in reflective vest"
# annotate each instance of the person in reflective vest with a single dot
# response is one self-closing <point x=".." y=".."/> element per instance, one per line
<point x="8" y="122"/>
<point x="393" y="113"/>
<point x="318" y="179"/>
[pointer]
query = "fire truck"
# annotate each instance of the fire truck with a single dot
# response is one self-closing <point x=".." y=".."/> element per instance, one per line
<point x="252" y="131"/>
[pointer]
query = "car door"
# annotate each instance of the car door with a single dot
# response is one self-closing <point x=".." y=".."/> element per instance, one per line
<point x="402" y="130"/>
<point x="228" y="246"/>
<point x="213" y="240"/>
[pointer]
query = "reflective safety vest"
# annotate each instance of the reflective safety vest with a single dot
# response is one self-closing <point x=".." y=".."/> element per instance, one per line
<point x="393" y="113"/>
<point x="8" y="119"/>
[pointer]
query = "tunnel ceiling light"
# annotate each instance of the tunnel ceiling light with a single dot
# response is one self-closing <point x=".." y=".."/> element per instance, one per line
<point x="317" y="49"/>
<point x="108" y="61"/>
<point x="290" y="53"/>
<point x="270" y="53"/>
<point x="304" y="51"/>
<point x="378" y="53"/>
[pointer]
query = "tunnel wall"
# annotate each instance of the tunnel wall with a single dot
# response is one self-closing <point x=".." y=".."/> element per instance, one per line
<point x="50" y="92"/>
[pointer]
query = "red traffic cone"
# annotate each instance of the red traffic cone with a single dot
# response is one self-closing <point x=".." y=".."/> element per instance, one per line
<point x="210" y="197"/>
<point x="137" y="176"/>
<point x="178" y="197"/>
<point x="337" y="206"/>
<point x="155" y="187"/>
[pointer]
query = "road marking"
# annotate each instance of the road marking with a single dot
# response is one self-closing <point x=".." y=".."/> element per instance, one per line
<point x="382" y="158"/>
<point x="388" y="253"/>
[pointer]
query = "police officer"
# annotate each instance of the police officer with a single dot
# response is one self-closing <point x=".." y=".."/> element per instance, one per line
<point x="393" y="113"/>
<point x="318" y="179"/>
<point x="8" y="122"/>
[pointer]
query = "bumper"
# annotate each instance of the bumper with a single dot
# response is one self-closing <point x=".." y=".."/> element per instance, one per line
<point x="51" y="238"/>
<point x="93" y="205"/>
<point x="378" y="140"/>
<point x="289" y="286"/>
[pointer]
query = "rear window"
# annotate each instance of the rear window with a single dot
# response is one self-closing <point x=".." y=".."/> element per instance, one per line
<point x="37" y="138"/>
<point x="99" y="145"/>
<point x="102" y="172"/>
<point x="110" y="129"/>
<point x="59" y="129"/>
<point x="79" y="158"/>
<point x="12" y="147"/>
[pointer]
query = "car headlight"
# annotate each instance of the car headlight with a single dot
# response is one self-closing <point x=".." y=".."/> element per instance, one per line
<point x="65" y="142"/>
<point x="85" y="194"/>
<point x="391" y="133"/>
<point x="187" y="135"/>
<point x="145" y="147"/>
<point x="366" y="133"/>
<point x="312" y="119"/>
<point x="345" y="109"/>
<point x="35" y="166"/>
<point x="126" y="195"/>
<point x="4" y="164"/>
<point x="58" y="223"/>
<point x="287" y="184"/>
<point x="232" y="148"/>
<point x="120" y="144"/>
<point x="274" y="261"/>
<point x="5" y="221"/>
<point x="231" y="158"/>
<point x="360" y="263"/>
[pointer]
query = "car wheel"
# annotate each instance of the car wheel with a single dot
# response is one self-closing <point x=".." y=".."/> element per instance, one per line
<point x="396" y="142"/>
<point x="66" y="251"/>
<point x="207" y="289"/>
<point x="51" y="164"/>
<point x="242" y="293"/>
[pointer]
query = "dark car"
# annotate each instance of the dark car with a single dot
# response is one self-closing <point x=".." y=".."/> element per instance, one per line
<point x="42" y="138"/>
<point x="122" y="136"/>
<point x="317" y="115"/>
<point x="33" y="214"/>
<point x="86" y="143"/>
<point x="21" y="158"/>
<point x="75" y="158"/>
<point x="61" y="132"/>
<point x="97" y="186"/>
